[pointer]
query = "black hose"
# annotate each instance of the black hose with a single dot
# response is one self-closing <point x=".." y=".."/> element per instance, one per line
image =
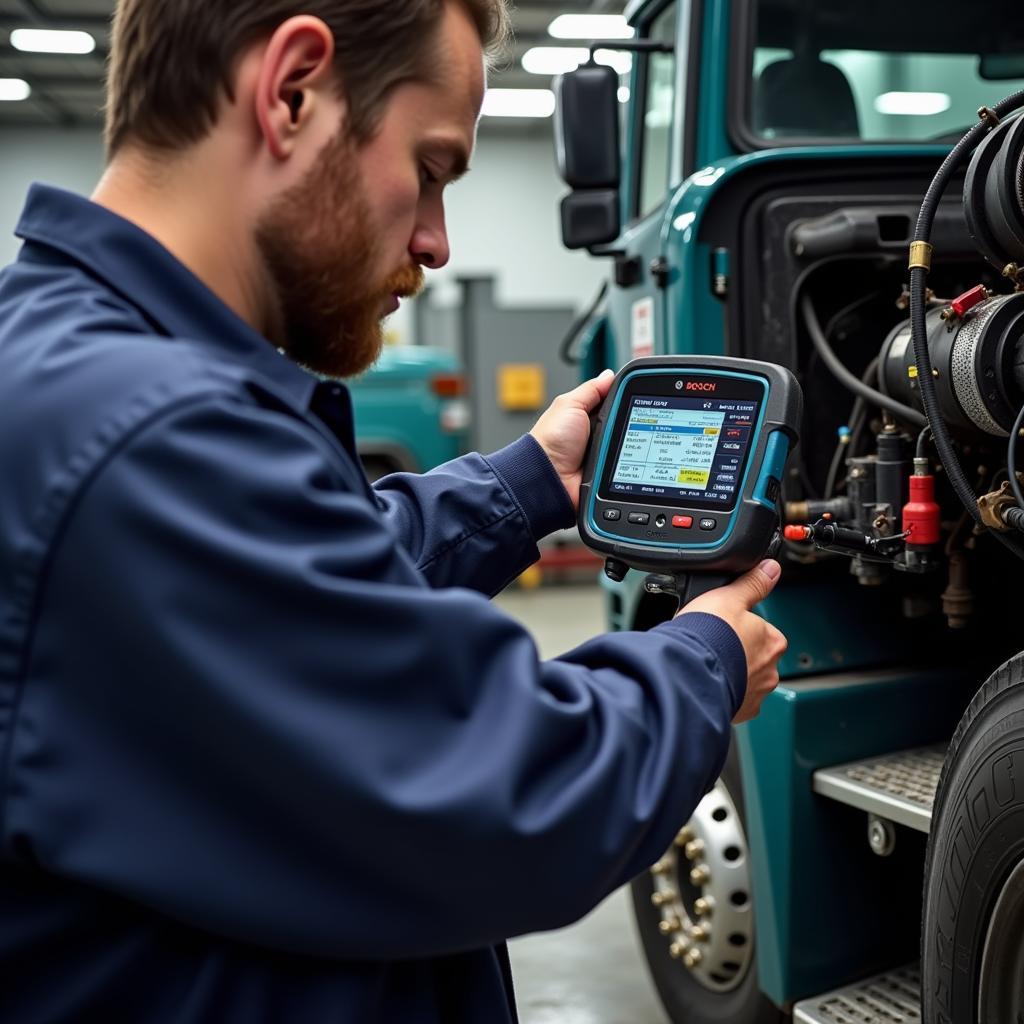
<point x="918" y="326"/>
<point x="922" y="440"/>
<point x="848" y="379"/>
<point x="576" y="329"/>
<point x="855" y="424"/>
<point x="1011" y="457"/>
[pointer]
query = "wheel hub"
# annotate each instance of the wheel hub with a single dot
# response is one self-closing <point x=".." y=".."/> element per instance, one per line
<point x="702" y="890"/>
<point x="1001" y="980"/>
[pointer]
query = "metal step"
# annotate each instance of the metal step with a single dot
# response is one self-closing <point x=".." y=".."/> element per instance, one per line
<point x="899" y="787"/>
<point x="891" y="998"/>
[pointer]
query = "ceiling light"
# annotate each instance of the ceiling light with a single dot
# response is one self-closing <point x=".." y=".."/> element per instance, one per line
<point x="41" y="40"/>
<point x="590" y="26"/>
<point x="14" y="89"/>
<point x="519" y="103"/>
<point x="915" y="104"/>
<point x="554" y="60"/>
<point x="558" y="60"/>
<point x="623" y="93"/>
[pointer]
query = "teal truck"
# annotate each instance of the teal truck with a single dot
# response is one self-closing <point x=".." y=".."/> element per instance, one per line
<point x="757" y="188"/>
<point x="410" y="410"/>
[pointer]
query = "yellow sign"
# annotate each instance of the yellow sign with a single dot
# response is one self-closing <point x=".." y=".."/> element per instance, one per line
<point x="521" y="386"/>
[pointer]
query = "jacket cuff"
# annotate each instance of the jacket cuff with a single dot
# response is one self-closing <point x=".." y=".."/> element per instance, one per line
<point x="718" y="635"/>
<point x="527" y="474"/>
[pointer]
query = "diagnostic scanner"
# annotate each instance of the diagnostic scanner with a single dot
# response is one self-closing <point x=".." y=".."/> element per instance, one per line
<point x="684" y="470"/>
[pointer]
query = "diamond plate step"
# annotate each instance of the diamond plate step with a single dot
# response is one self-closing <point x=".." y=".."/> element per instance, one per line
<point x="891" y="998"/>
<point x="899" y="787"/>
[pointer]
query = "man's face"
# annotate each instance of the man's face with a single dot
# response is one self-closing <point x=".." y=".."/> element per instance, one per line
<point x="351" y="239"/>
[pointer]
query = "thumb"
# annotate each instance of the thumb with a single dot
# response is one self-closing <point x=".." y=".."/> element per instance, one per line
<point x="755" y="585"/>
<point x="591" y="393"/>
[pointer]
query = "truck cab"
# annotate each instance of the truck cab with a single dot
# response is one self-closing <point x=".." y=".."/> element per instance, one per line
<point x="755" y="185"/>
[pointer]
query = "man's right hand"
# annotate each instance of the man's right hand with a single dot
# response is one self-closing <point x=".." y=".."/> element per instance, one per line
<point x="762" y="643"/>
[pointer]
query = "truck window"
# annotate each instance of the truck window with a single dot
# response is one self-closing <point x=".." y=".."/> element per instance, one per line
<point x="659" y="103"/>
<point x="918" y="72"/>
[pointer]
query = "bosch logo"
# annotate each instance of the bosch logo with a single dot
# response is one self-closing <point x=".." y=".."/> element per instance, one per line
<point x="679" y="385"/>
<point x="699" y="385"/>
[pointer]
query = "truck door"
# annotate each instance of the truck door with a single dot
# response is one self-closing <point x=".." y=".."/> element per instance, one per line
<point x="653" y="165"/>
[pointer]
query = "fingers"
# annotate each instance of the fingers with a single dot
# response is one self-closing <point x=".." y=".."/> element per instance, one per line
<point x="755" y="585"/>
<point x="590" y="394"/>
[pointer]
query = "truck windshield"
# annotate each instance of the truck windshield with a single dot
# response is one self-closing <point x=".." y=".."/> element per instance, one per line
<point x="877" y="70"/>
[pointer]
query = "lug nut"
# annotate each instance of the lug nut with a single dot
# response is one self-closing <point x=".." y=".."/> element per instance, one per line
<point x="669" y="925"/>
<point x="684" y="836"/>
<point x="662" y="896"/>
<point x="692" y="958"/>
<point x="663" y="867"/>
<point x="700" y="875"/>
<point x="693" y="849"/>
<point x="702" y="907"/>
<point x="699" y="933"/>
<point x="677" y="949"/>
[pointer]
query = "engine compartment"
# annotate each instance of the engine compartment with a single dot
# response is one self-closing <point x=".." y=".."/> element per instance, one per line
<point x="822" y="287"/>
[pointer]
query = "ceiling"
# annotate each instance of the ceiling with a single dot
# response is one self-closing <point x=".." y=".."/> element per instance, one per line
<point x="68" y="90"/>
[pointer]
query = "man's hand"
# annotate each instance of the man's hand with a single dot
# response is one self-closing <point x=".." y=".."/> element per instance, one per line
<point x="762" y="643"/>
<point x="564" y="429"/>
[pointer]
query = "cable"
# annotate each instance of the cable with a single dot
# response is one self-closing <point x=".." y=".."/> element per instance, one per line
<point x="857" y="414"/>
<point x="576" y="328"/>
<point x="922" y="440"/>
<point x="918" y="326"/>
<point x="846" y="378"/>
<point x="1011" y="458"/>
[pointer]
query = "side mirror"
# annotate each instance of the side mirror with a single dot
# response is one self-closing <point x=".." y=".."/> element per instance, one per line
<point x="588" y="154"/>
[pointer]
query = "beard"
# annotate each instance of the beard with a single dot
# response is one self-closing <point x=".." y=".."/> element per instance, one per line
<point x="319" y="247"/>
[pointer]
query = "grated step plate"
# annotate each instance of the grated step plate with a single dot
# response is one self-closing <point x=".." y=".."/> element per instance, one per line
<point x="899" y="787"/>
<point x="891" y="998"/>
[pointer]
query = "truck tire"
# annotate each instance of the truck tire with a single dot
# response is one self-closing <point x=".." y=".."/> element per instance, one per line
<point x="972" y="929"/>
<point x="721" y="988"/>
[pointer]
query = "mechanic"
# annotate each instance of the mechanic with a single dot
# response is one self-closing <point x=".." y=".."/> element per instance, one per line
<point x="268" y="751"/>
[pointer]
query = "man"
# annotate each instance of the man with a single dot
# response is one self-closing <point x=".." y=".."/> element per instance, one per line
<point x="268" y="752"/>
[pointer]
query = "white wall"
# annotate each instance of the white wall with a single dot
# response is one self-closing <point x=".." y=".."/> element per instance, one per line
<point x="502" y="218"/>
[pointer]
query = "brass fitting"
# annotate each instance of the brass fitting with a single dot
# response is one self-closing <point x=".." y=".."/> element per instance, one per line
<point x="993" y="506"/>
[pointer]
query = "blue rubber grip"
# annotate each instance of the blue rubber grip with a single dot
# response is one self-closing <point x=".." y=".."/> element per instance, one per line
<point x="775" y="453"/>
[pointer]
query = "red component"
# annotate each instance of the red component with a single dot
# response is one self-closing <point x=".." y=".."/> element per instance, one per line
<point x="797" y="533"/>
<point x="969" y="300"/>
<point x="682" y="522"/>
<point x="921" y="513"/>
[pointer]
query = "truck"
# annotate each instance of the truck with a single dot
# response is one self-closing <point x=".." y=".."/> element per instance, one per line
<point x="838" y="188"/>
<point x="410" y="409"/>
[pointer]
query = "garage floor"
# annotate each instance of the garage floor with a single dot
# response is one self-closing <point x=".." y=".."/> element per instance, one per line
<point x="591" y="973"/>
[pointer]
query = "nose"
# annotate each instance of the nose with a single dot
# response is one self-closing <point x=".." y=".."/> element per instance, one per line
<point x="429" y="244"/>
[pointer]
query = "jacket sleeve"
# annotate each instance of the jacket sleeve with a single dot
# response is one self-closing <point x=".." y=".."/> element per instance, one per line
<point x="475" y="522"/>
<point x="256" y="717"/>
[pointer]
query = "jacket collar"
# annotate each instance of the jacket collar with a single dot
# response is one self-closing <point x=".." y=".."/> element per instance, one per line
<point x="138" y="268"/>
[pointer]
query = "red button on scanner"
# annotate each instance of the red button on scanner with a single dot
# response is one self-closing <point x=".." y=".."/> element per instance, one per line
<point x="682" y="522"/>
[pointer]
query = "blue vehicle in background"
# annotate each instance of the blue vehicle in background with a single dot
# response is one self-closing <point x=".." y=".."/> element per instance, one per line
<point x="754" y="185"/>
<point x="410" y="410"/>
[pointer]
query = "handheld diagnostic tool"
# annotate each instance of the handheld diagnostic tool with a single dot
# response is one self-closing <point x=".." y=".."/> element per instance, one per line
<point x="685" y="465"/>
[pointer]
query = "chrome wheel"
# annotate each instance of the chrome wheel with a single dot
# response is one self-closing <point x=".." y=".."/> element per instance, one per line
<point x="702" y="891"/>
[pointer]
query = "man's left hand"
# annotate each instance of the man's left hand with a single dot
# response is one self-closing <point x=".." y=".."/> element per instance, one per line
<point x="563" y="431"/>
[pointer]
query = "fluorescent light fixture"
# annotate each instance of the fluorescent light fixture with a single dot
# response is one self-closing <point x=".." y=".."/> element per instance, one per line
<point x="41" y="40"/>
<point x="914" y="104"/>
<point x="590" y="26"/>
<point x="558" y="60"/>
<point x="519" y="103"/>
<point x="14" y="89"/>
<point x="553" y="60"/>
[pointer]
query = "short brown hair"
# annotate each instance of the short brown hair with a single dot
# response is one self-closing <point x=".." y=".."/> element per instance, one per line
<point x="172" y="61"/>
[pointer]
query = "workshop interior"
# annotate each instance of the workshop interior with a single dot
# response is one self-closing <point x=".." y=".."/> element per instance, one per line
<point x="794" y="229"/>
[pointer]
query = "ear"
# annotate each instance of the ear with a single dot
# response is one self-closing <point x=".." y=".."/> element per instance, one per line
<point x="295" y="69"/>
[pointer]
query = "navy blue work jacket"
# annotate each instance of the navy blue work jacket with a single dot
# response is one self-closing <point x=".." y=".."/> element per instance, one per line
<point x="267" y="751"/>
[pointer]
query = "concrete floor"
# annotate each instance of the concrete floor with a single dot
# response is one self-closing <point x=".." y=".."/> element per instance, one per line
<point x="593" y="972"/>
